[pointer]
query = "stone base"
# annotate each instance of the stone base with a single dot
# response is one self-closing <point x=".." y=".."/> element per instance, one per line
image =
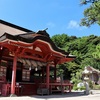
<point x="13" y="95"/>
<point x="86" y="92"/>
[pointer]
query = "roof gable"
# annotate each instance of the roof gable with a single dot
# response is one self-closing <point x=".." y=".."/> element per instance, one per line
<point x="11" y="28"/>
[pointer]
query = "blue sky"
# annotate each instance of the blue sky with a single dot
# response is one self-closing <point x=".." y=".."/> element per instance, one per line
<point x="59" y="16"/>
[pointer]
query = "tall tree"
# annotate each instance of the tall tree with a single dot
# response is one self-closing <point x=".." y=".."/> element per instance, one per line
<point x="60" y="39"/>
<point x="96" y="54"/>
<point x="86" y="49"/>
<point x="91" y="14"/>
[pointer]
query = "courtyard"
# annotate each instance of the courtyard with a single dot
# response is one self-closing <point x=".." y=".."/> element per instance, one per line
<point x="74" y="95"/>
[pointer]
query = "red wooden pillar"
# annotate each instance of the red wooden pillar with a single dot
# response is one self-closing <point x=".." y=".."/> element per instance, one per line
<point x="47" y="76"/>
<point x="13" y="83"/>
<point x="1" y="53"/>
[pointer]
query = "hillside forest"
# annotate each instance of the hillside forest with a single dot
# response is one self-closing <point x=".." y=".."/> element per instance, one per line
<point x="86" y="49"/>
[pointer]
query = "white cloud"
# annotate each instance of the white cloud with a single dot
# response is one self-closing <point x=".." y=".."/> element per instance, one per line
<point x="50" y="24"/>
<point x="74" y="25"/>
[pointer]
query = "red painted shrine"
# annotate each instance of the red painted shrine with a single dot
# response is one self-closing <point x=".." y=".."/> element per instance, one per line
<point x="26" y="58"/>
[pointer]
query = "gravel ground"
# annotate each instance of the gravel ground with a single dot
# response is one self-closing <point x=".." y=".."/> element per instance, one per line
<point x="68" y="96"/>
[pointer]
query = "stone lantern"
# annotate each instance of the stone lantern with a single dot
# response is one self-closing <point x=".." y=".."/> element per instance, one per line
<point x="86" y="79"/>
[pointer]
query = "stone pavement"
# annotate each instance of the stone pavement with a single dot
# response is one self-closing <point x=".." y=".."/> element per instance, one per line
<point x="67" y="96"/>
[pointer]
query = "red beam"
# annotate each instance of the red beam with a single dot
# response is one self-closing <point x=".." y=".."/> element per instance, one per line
<point x="32" y="52"/>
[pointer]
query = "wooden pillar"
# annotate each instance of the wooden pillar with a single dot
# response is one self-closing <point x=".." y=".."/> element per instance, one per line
<point x="13" y="83"/>
<point x="1" y="53"/>
<point x="47" y="76"/>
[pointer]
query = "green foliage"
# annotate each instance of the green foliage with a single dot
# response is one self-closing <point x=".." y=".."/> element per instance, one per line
<point x="86" y="49"/>
<point x="60" y="40"/>
<point x="91" y="14"/>
<point x="96" y="53"/>
<point x="76" y="78"/>
<point x="79" y="88"/>
<point x="75" y="88"/>
<point x="82" y="88"/>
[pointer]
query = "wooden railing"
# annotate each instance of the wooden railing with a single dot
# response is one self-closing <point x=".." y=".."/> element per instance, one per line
<point x="56" y="86"/>
<point x="6" y="89"/>
<point x="61" y="86"/>
<point x="2" y="81"/>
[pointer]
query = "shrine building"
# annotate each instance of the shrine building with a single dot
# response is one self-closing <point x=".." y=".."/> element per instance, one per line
<point x="26" y="58"/>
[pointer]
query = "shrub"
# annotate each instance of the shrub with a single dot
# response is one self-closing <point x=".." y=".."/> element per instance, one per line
<point x="79" y="88"/>
<point x="75" y="88"/>
<point x="82" y="88"/>
<point x="76" y="78"/>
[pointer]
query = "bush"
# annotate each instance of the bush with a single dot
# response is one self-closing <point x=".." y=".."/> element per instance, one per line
<point x="79" y="88"/>
<point x="82" y="88"/>
<point x="76" y="78"/>
<point x="75" y="88"/>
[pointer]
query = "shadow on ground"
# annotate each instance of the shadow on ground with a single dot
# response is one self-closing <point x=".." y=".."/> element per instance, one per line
<point x="59" y="95"/>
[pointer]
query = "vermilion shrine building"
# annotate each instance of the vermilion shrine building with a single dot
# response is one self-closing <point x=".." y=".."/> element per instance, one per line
<point x="26" y="58"/>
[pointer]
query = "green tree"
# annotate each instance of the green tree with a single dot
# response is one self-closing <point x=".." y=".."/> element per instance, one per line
<point x="96" y="54"/>
<point x="86" y="49"/>
<point x="91" y="14"/>
<point x="60" y="40"/>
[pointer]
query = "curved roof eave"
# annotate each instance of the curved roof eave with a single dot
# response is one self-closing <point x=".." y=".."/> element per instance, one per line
<point x="30" y="38"/>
